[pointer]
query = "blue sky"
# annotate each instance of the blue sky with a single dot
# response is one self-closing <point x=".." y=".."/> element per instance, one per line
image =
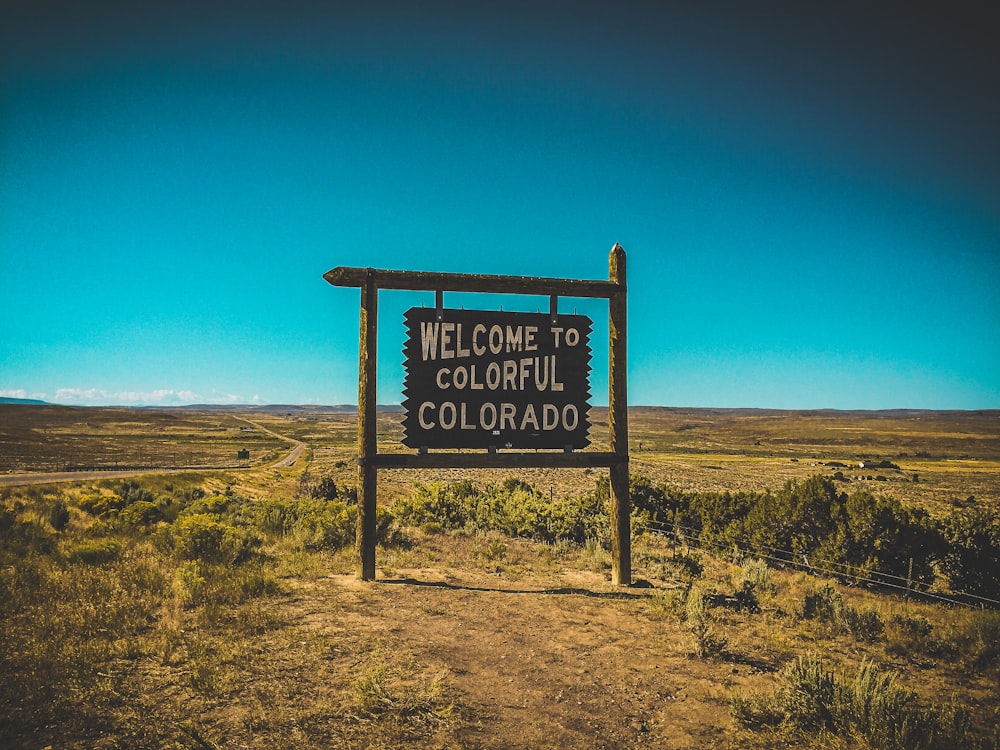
<point x="808" y="193"/>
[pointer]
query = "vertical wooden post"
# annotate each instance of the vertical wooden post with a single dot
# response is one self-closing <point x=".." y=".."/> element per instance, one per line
<point x="367" y="447"/>
<point x="621" y="528"/>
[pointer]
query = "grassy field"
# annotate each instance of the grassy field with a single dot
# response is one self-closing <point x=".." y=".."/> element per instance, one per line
<point x="219" y="608"/>
<point x="60" y="438"/>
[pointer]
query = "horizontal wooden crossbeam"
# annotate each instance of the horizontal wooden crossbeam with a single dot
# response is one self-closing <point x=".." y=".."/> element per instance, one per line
<point x="472" y="282"/>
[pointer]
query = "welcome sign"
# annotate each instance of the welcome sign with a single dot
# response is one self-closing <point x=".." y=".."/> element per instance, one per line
<point x="487" y="379"/>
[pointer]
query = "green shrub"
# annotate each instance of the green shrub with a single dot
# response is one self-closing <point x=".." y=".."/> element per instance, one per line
<point x="215" y="504"/>
<point x="513" y="508"/>
<point x="807" y="699"/>
<point x="758" y="574"/>
<point x="699" y="621"/>
<point x="59" y="515"/>
<point x="865" y="624"/>
<point x="203" y="536"/>
<point x="824" y="605"/>
<point x="99" y="505"/>
<point x="873" y="706"/>
<point x="189" y="583"/>
<point x="140" y="513"/>
<point x="978" y="640"/>
<point x="325" y="489"/>
<point x="971" y="561"/>
<point x="95" y="551"/>
<point x="313" y="523"/>
<point x="21" y="535"/>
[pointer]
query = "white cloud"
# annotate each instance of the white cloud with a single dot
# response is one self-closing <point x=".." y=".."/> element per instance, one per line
<point x="155" y="397"/>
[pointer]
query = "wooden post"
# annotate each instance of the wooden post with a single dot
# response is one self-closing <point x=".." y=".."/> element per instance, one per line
<point x="621" y="531"/>
<point x="367" y="446"/>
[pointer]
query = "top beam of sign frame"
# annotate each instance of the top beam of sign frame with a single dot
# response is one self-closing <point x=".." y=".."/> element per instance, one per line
<point x="472" y="282"/>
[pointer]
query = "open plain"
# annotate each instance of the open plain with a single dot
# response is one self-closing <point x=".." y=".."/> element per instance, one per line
<point x="207" y="601"/>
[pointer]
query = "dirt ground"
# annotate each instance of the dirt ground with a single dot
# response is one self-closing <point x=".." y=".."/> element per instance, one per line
<point x="562" y="660"/>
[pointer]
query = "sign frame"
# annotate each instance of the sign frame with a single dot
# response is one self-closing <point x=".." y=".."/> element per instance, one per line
<point x="616" y="459"/>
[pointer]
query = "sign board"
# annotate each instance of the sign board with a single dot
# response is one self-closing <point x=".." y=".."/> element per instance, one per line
<point x="487" y="379"/>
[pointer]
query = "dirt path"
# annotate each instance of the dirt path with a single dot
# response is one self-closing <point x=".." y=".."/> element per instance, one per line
<point x="297" y="445"/>
<point x="560" y="661"/>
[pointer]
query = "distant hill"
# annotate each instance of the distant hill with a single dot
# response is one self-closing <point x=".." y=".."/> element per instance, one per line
<point x="32" y="401"/>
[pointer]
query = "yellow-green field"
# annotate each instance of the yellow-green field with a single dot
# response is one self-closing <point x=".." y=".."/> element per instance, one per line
<point x="219" y="608"/>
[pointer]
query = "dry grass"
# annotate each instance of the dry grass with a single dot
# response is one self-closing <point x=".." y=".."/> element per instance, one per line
<point x="109" y="639"/>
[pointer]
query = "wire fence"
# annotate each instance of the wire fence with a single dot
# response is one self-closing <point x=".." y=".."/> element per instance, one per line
<point x="691" y="537"/>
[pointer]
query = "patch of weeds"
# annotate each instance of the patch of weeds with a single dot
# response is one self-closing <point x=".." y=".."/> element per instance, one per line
<point x="669" y="603"/>
<point x="95" y="551"/>
<point x="873" y="706"/>
<point x="237" y="584"/>
<point x="865" y="624"/>
<point x="827" y="606"/>
<point x="189" y="584"/>
<point x="494" y="551"/>
<point x="594" y="556"/>
<point x="977" y="639"/>
<point x="207" y="671"/>
<point x="380" y="693"/>
<point x="824" y="605"/>
<point x="679" y="566"/>
<point x="759" y="574"/>
<point x="708" y="643"/>
<point x="59" y="515"/>
<point x="253" y="618"/>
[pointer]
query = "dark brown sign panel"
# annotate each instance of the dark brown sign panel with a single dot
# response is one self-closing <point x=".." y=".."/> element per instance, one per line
<point x="481" y="379"/>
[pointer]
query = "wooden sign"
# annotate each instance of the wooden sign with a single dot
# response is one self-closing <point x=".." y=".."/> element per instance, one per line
<point x="487" y="379"/>
<point x="471" y="374"/>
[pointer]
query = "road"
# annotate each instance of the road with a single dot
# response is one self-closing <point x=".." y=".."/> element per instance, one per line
<point x="297" y="445"/>
<point x="14" y="480"/>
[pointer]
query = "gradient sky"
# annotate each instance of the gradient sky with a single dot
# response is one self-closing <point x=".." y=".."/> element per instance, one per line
<point x="808" y="193"/>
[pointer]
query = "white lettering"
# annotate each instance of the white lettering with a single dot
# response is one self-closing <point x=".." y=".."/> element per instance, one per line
<point x="447" y="422"/>
<point x="572" y="337"/>
<point x="424" y="424"/>
<point x="465" y="425"/>
<point x="525" y="368"/>
<point x="496" y="339"/>
<point x="439" y="379"/>
<point x="556" y="385"/>
<point x="507" y="412"/>
<point x="478" y="348"/>
<point x="447" y="329"/>
<point x="510" y="375"/>
<point x="541" y="383"/>
<point x="550" y="416"/>
<point x="493" y="375"/>
<point x="529" y="416"/>
<point x="459" y="351"/>
<point x="429" y="340"/>
<point x="529" y="338"/>
<point x="514" y="339"/>
<point x="568" y="411"/>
